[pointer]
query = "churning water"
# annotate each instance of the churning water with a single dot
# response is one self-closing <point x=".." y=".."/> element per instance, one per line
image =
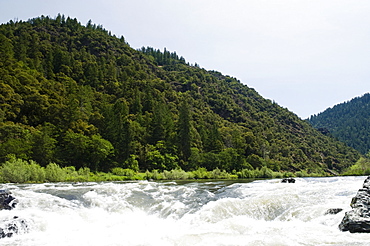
<point x="263" y="212"/>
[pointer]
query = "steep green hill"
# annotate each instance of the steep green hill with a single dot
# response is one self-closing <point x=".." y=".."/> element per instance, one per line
<point x="76" y="95"/>
<point x="348" y="121"/>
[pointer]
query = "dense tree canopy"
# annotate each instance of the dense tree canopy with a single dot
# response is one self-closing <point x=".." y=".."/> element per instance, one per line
<point x="76" y="95"/>
<point x="348" y="121"/>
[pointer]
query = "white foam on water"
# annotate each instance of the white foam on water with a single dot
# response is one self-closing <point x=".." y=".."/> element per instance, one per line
<point x="264" y="212"/>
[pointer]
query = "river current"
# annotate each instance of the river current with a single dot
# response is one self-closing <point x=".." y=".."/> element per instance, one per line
<point x="261" y="212"/>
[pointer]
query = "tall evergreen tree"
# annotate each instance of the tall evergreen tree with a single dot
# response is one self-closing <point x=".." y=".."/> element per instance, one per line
<point x="120" y="130"/>
<point x="184" y="125"/>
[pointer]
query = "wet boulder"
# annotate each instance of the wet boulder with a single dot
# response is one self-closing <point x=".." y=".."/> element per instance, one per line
<point x="7" y="201"/>
<point x="358" y="219"/>
<point x="13" y="226"/>
<point x="288" y="180"/>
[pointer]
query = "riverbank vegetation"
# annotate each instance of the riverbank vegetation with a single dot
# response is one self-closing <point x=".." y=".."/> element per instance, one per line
<point x="83" y="99"/>
<point x="362" y="167"/>
<point x="20" y="171"/>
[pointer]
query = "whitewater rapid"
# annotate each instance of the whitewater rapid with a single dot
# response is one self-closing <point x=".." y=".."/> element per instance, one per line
<point x="262" y="212"/>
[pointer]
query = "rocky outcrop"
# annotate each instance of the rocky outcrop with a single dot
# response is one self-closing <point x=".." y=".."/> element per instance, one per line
<point x="14" y="225"/>
<point x="7" y="201"/>
<point x="358" y="219"/>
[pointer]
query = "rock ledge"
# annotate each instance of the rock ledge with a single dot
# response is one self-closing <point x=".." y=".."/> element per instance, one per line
<point x="358" y="219"/>
<point x="11" y="226"/>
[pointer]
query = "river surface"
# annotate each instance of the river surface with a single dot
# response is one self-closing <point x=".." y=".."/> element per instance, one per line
<point x="262" y="212"/>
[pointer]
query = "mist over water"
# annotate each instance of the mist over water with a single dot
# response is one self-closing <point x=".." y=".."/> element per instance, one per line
<point x="263" y="212"/>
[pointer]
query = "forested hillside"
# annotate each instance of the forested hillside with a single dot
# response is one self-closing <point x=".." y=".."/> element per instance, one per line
<point x="78" y="96"/>
<point x="348" y="121"/>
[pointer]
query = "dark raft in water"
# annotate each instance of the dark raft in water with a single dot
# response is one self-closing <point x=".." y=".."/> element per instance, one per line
<point x="288" y="180"/>
<point x="358" y="219"/>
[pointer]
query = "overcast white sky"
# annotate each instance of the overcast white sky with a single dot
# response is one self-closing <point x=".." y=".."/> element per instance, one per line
<point x="306" y="55"/>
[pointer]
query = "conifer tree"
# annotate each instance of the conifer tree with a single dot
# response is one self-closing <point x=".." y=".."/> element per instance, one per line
<point x="119" y="128"/>
<point x="184" y="138"/>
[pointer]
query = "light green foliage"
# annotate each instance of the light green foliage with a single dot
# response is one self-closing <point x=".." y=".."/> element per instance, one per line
<point x="362" y="167"/>
<point x="36" y="173"/>
<point x="264" y="172"/>
<point x="84" y="171"/>
<point x="20" y="171"/>
<point x="54" y="173"/>
<point x="155" y="175"/>
<point x="246" y="174"/>
<point x="15" y="171"/>
<point x="302" y="173"/>
<point x="201" y="173"/>
<point x="128" y="173"/>
<point x="218" y="174"/>
<point x="175" y="174"/>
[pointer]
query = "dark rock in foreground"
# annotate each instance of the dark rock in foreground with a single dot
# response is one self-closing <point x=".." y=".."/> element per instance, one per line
<point x="288" y="180"/>
<point x="15" y="225"/>
<point x="358" y="219"/>
<point x="7" y="201"/>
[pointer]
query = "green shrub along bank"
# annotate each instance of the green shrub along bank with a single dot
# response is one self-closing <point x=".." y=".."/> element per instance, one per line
<point x="16" y="170"/>
<point x="362" y="167"/>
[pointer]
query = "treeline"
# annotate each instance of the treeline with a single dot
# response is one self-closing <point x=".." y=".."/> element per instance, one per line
<point x="163" y="58"/>
<point x="348" y="121"/>
<point x="16" y="170"/>
<point x="77" y="96"/>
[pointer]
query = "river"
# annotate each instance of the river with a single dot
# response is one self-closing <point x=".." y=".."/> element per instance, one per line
<point x="261" y="212"/>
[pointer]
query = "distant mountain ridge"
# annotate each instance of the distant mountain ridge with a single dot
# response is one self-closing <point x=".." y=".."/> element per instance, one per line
<point x="348" y="121"/>
<point x="78" y="96"/>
